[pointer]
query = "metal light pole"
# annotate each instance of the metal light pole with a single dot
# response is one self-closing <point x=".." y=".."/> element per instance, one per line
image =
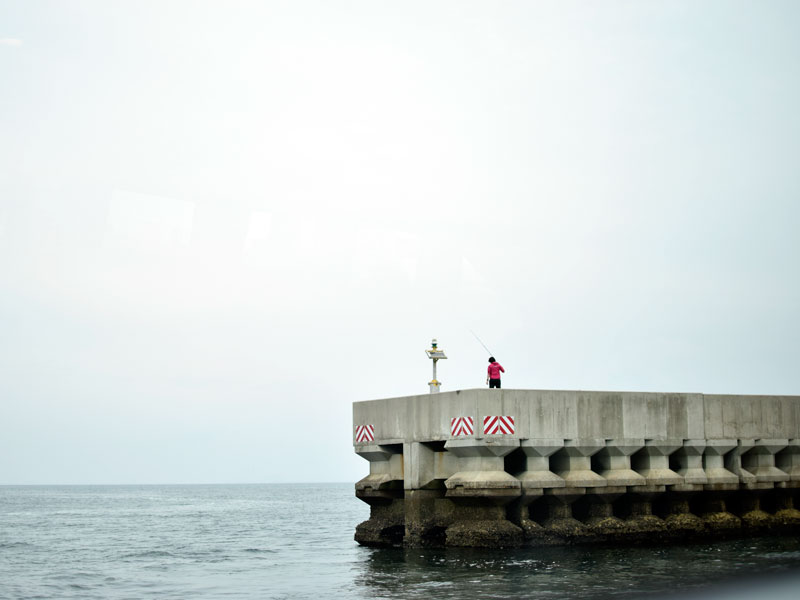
<point x="434" y="354"/>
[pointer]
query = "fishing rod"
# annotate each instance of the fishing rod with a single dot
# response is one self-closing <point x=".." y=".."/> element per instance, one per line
<point x="481" y="343"/>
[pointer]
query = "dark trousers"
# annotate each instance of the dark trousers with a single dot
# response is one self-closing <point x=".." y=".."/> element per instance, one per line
<point x="494" y="383"/>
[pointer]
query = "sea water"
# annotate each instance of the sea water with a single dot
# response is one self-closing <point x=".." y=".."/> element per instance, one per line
<point x="296" y="541"/>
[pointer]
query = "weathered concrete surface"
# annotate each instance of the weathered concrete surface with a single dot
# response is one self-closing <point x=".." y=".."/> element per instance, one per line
<point x="586" y="415"/>
<point x="577" y="467"/>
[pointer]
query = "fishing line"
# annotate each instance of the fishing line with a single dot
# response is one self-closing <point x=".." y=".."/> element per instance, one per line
<point x="481" y="343"/>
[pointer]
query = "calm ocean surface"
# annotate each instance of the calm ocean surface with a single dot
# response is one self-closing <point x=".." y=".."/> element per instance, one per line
<point x="296" y="541"/>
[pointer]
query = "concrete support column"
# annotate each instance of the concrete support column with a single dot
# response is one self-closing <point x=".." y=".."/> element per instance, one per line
<point x="480" y="490"/>
<point x="760" y="461"/>
<point x="424" y="490"/>
<point x="534" y="479"/>
<point x="385" y="470"/>
<point x="788" y="460"/>
<point x="600" y="511"/>
<point x="680" y="519"/>
<point x="423" y="526"/>
<point x="600" y="519"/>
<point x="753" y="518"/>
<point x="614" y="462"/>
<point x="642" y="521"/>
<point x="719" y="478"/>
<point x="785" y="501"/>
<point x="481" y="470"/>
<point x="574" y="465"/>
<point x="419" y="461"/>
<point x="787" y="516"/>
<point x="689" y="458"/>
<point x="733" y="462"/>
<point x="652" y="462"/>
<point x="716" y="516"/>
<point x="481" y="523"/>
<point x="537" y="474"/>
<point x="382" y="489"/>
<point x="385" y="526"/>
<point x="559" y="525"/>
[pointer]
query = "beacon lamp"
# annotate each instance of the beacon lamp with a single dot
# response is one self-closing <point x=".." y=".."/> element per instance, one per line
<point x="435" y="355"/>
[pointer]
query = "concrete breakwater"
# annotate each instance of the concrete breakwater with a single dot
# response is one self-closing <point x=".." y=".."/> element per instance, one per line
<point x="508" y="468"/>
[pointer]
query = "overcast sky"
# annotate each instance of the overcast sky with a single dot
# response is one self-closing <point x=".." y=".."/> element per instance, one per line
<point x="222" y="223"/>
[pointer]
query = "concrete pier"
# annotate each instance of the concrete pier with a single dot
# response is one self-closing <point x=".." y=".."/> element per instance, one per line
<point x="507" y="468"/>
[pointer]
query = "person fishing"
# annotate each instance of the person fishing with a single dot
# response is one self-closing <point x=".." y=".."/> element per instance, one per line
<point x="493" y="373"/>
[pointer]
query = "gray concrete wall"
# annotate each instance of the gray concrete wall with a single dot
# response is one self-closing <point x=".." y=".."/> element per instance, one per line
<point x="614" y="455"/>
<point x="583" y="415"/>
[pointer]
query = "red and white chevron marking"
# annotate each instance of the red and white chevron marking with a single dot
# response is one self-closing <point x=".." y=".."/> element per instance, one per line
<point x="461" y="426"/>
<point x="365" y="433"/>
<point x="493" y="425"/>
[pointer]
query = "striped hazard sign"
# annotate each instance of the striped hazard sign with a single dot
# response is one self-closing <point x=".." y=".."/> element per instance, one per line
<point x="461" y="426"/>
<point x="365" y="433"/>
<point x="498" y="425"/>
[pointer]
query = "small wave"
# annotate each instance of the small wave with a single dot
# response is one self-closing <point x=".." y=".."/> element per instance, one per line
<point x="149" y="554"/>
<point x="73" y="576"/>
<point x="259" y="551"/>
<point x="221" y="559"/>
<point x="773" y="555"/>
<point x="4" y="545"/>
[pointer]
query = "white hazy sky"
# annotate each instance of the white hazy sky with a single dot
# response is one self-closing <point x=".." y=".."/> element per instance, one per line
<point x="221" y="223"/>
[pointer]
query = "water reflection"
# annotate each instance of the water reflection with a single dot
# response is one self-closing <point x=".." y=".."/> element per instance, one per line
<point x="570" y="572"/>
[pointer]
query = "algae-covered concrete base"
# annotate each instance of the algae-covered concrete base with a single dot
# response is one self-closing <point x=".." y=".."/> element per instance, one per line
<point x="507" y="468"/>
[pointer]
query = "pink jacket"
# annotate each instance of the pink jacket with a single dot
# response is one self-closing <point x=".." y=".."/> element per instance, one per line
<point x="494" y="370"/>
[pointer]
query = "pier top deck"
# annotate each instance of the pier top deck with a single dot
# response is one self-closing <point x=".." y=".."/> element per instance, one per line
<point x="577" y="414"/>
